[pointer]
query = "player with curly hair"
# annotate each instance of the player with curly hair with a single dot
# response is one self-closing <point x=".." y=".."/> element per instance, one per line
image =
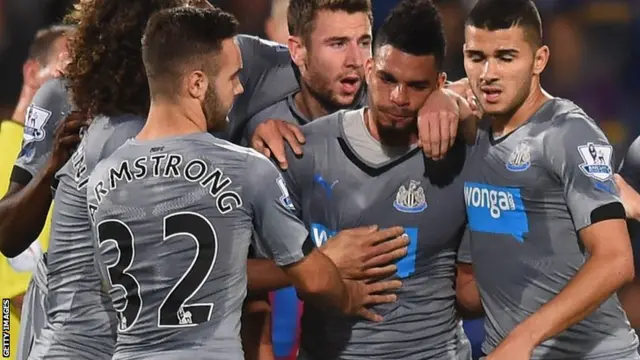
<point x="106" y="83"/>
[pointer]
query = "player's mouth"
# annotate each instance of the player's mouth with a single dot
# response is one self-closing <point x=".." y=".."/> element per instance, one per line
<point x="491" y="94"/>
<point x="397" y="117"/>
<point x="350" y="84"/>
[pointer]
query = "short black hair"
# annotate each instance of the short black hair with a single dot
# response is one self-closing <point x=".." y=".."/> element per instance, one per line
<point x="495" y="15"/>
<point x="414" y="27"/>
<point x="183" y="36"/>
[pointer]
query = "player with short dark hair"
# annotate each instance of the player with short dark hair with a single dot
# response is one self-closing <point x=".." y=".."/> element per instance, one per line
<point x="104" y="80"/>
<point x="204" y="198"/>
<point x="267" y="77"/>
<point x="363" y="167"/>
<point x="329" y="42"/>
<point x="548" y="240"/>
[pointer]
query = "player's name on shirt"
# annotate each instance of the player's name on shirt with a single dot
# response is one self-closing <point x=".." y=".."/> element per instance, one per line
<point x="79" y="166"/>
<point x="169" y="166"/>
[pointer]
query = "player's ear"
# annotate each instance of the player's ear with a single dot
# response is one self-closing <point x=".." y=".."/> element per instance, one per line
<point x="540" y="60"/>
<point x="298" y="50"/>
<point x="442" y="79"/>
<point x="197" y="84"/>
<point x="30" y="70"/>
<point x="368" y="68"/>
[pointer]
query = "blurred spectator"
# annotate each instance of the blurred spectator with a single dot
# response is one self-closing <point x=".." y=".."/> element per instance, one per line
<point x="276" y="27"/>
<point x="22" y="19"/>
<point x="45" y="53"/>
<point x="453" y="15"/>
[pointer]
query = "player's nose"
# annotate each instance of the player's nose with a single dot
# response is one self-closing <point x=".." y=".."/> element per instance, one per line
<point x="355" y="57"/>
<point x="399" y="96"/>
<point x="489" y="72"/>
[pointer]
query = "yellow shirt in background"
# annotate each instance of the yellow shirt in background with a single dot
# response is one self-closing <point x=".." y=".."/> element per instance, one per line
<point x="13" y="282"/>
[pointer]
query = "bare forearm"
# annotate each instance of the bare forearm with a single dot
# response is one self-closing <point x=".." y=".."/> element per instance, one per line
<point x="17" y="302"/>
<point x="264" y="275"/>
<point x="630" y="298"/>
<point x="321" y="284"/>
<point x="598" y="278"/>
<point x="468" y="300"/>
<point x="256" y="329"/>
<point x="23" y="214"/>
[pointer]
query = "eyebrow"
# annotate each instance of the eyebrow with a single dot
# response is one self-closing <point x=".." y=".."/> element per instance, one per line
<point x="499" y="52"/>
<point x="237" y="72"/>
<point x="388" y="75"/>
<point x="502" y="52"/>
<point x="346" y="38"/>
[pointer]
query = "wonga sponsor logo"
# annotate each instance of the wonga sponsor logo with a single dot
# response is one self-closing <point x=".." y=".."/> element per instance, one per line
<point x="497" y="210"/>
<point x="320" y="234"/>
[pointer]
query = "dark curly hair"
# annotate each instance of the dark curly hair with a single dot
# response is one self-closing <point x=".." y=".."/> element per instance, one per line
<point x="106" y="74"/>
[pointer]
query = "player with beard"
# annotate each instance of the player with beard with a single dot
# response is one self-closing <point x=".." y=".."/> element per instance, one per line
<point x="80" y="320"/>
<point x="205" y="197"/>
<point x="548" y="240"/>
<point x="99" y="90"/>
<point x="267" y="77"/>
<point x="329" y="44"/>
<point x="363" y="167"/>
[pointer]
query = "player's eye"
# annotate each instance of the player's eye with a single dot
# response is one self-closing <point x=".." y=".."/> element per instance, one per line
<point x="476" y="58"/>
<point x="337" y="44"/>
<point x="365" y="44"/>
<point x="386" y="78"/>
<point x="506" y="58"/>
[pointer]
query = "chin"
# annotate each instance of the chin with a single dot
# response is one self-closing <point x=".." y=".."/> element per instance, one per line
<point x="494" y="109"/>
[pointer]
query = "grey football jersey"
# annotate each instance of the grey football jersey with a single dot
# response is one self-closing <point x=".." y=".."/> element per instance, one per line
<point x="267" y="77"/>
<point x="346" y="179"/>
<point x="80" y="317"/>
<point x="528" y="194"/>
<point x="49" y="107"/>
<point x="630" y="171"/>
<point x="287" y="110"/>
<point x="173" y="220"/>
<point x="33" y="316"/>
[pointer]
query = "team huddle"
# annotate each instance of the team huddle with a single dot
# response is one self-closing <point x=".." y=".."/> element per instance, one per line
<point x="390" y="223"/>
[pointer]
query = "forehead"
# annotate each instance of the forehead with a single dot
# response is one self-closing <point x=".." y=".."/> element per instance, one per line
<point x="488" y="40"/>
<point x="329" y="23"/>
<point x="405" y="66"/>
<point x="230" y="55"/>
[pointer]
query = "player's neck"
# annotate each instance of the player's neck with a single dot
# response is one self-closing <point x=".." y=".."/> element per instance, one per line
<point x="167" y="119"/>
<point x="502" y="125"/>
<point x="308" y="104"/>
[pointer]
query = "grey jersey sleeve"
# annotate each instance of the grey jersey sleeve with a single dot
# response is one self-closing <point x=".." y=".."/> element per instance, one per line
<point x="581" y="157"/>
<point x="49" y="107"/>
<point x="281" y="234"/>
<point x="267" y="77"/>
<point x="298" y="176"/>
<point x="630" y="167"/>
<point x="259" y="56"/>
<point x="630" y="171"/>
